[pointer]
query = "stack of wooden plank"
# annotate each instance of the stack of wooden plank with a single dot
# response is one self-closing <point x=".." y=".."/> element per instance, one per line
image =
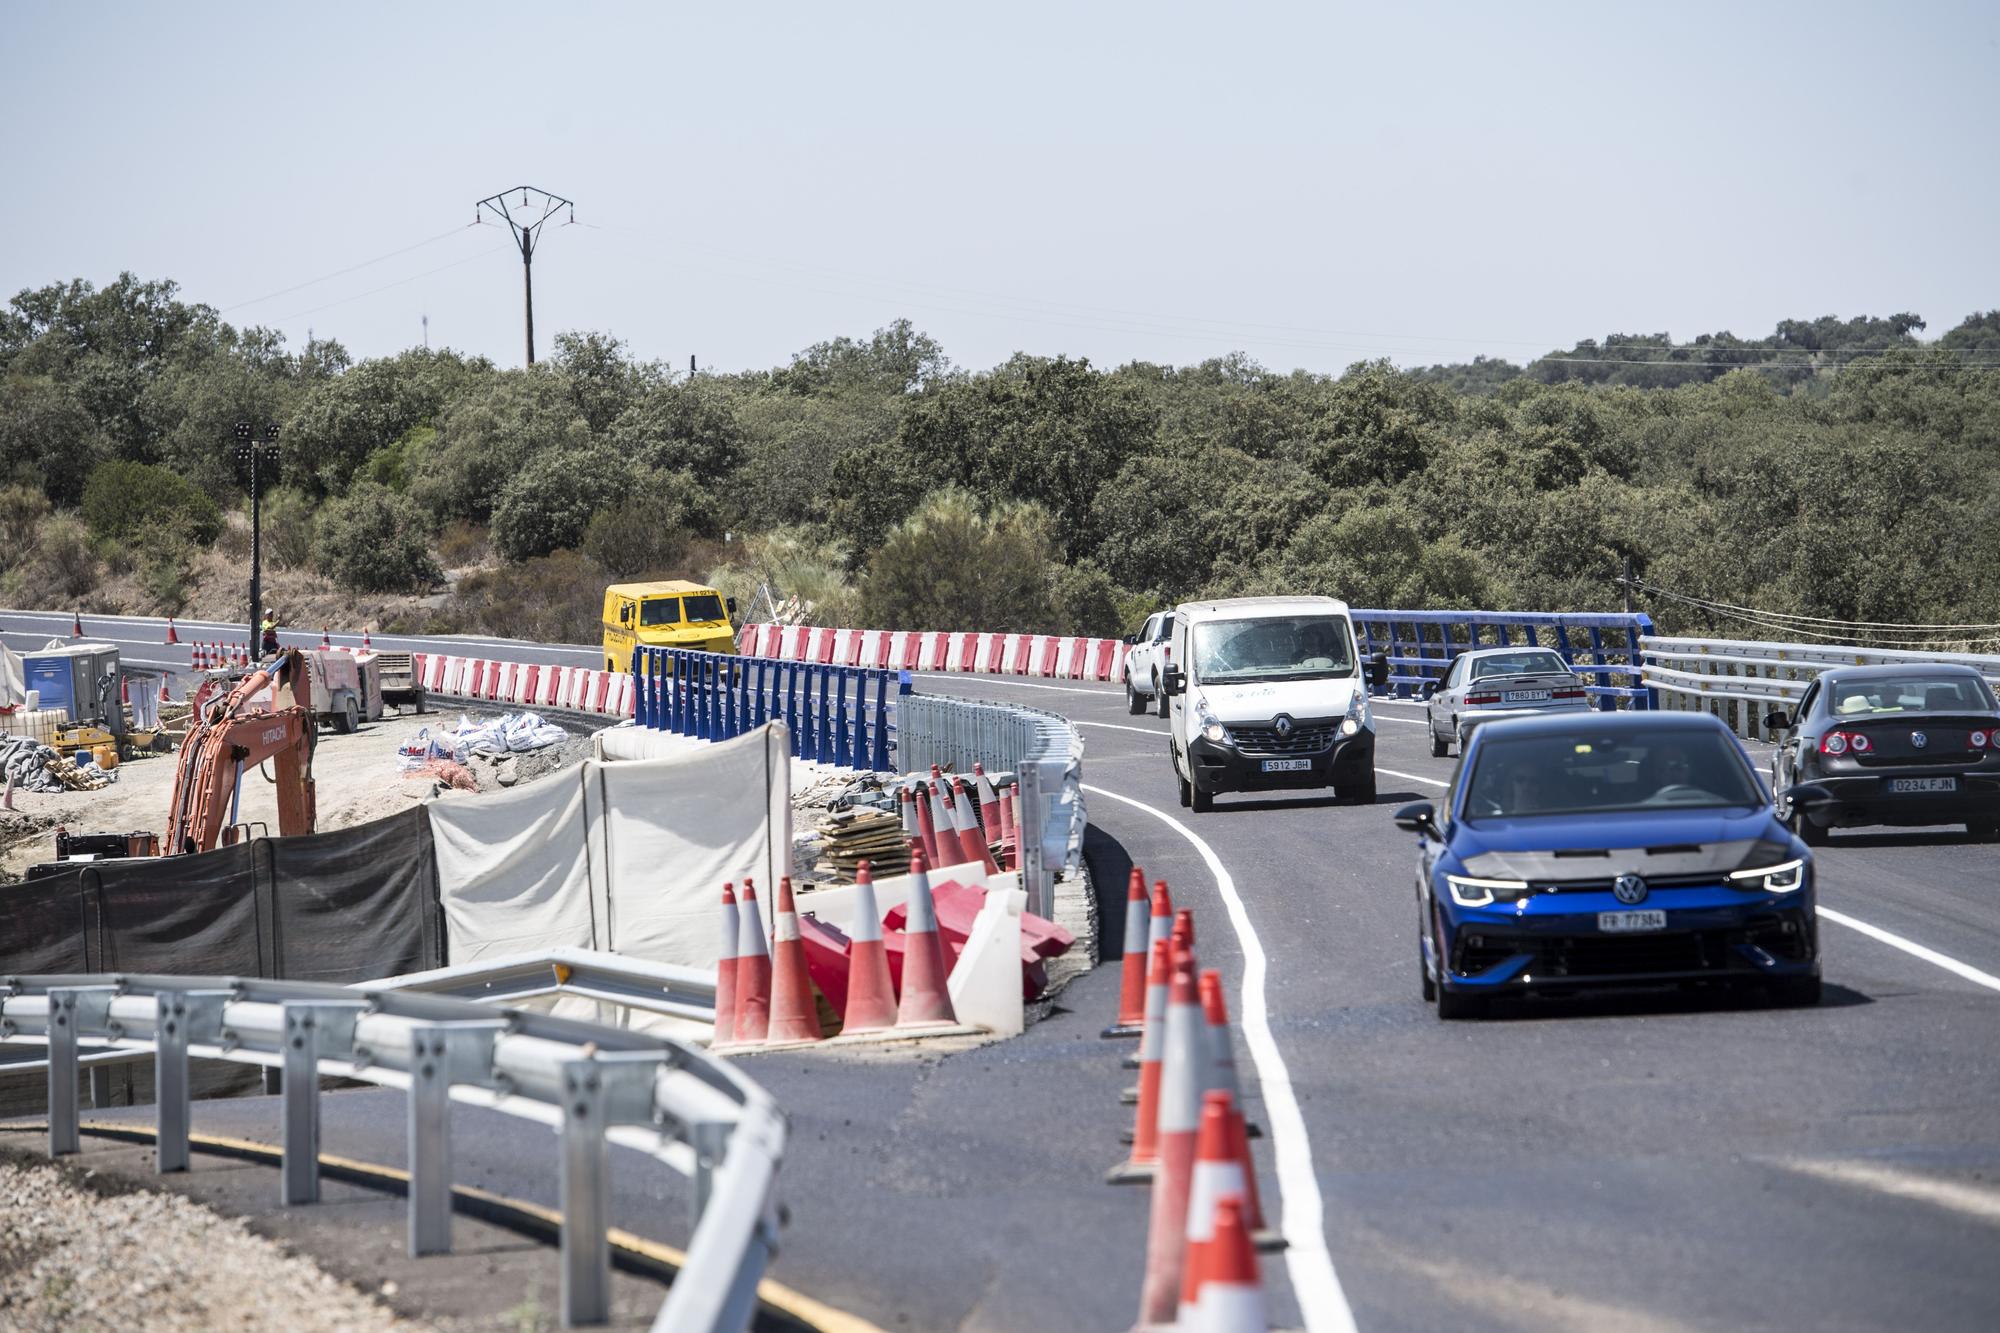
<point x="73" y="777"/>
<point x="849" y="837"/>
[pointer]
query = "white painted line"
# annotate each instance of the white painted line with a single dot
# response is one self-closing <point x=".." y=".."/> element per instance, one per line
<point x="1113" y="726"/>
<point x="1414" y="777"/>
<point x="1969" y="1200"/>
<point x="1915" y="950"/>
<point x="1321" y="1300"/>
<point x="980" y="677"/>
<point x="1406" y="721"/>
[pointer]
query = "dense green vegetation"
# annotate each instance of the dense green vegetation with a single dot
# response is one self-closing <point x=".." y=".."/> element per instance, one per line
<point x="1839" y="468"/>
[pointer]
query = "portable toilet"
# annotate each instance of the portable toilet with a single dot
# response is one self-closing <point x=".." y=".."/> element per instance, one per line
<point x="69" y="678"/>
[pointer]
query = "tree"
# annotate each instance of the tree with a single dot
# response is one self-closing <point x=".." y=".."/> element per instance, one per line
<point x="690" y="426"/>
<point x="127" y="501"/>
<point x="547" y="504"/>
<point x="374" y="540"/>
<point x="949" y="565"/>
<point x="487" y="434"/>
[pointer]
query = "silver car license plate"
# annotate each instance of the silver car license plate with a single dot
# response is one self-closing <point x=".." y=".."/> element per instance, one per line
<point x="1524" y="696"/>
<point x="1900" y="785"/>
<point x="1614" y="923"/>
<point x="1287" y="765"/>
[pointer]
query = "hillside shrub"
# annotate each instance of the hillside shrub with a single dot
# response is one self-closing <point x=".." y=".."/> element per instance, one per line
<point x="288" y="528"/>
<point x="123" y="500"/>
<point x="22" y="512"/>
<point x="375" y="540"/>
<point x="548" y="503"/>
<point x="556" y="598"/>
<point x="62" y="567"/>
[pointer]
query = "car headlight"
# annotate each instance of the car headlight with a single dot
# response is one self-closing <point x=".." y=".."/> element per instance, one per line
<point x="1357" y="714"/>
<point x="1468" y="891"/>
<point x="1212" y="728"/>
<point x="1786" y="877"/>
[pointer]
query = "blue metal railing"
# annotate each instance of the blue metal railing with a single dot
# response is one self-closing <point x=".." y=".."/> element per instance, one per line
<point x="836" y="714"/>
<point x="1421" y="644"/>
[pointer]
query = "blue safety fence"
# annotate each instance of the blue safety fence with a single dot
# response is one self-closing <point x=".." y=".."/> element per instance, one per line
<point x="836" y="714"/>
<point x="1421" y="644"/>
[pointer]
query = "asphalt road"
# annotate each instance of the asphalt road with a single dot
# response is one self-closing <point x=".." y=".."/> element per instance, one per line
<point x="1655" y="1162"/>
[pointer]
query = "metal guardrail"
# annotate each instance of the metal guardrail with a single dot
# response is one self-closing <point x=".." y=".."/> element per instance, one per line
<point x="1737" y="679"/>
<point x="666" y="1097"/>
<point x="1421" y="644"/>
<point x="714" y="696"/>
<point x="1042" y="750"/>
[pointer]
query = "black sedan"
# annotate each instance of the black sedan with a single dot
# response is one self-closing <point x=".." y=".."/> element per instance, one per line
<point x="1913" y="743"/>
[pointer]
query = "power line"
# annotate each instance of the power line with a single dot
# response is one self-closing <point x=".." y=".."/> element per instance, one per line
<point x="338" y="273"/>
<point x="1817" y="620"/>
<point x="400" y="282"/>
<point x="1765" y="620"/>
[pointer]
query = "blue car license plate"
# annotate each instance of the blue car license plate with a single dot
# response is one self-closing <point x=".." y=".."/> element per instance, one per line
<point x="1287" y="765"/>
<point x="1615" y="923"/>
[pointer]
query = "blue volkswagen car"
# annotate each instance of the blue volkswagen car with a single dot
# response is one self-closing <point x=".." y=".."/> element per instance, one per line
<point x="1609" y="849"/>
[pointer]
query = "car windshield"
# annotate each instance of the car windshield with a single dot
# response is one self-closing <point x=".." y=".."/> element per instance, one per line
<point x="703" y="607"/>
<point x="1273" y="648"/>
<point x="660" y="611"/>
<point x="1593" y="772"/>
<point x="1914" y="693"/>
<point x="1538" y="663"/>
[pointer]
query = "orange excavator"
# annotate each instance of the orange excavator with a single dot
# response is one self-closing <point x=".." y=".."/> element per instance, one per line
<point x="253" y="722"/>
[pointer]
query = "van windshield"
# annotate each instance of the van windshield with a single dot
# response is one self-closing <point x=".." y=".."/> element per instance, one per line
<point x="1273" y="648"/>
<point x="660" y="611"/>
<point x="703" y="607"/>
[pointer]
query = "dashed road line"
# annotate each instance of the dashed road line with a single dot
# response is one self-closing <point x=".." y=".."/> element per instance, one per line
<point x="1413" y="777"/>
<point x="1321" y="1300"/>
<point x="1966" y="1200"/>
<point x="1115" y="726"/>
<point x="1915" y="950"/>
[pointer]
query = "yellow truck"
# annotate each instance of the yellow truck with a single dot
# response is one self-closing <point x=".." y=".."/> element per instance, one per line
<point x="668" y="614"/>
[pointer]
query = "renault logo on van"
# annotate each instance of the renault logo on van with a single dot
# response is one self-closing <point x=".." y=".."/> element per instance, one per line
<point x="1283" y="726"/>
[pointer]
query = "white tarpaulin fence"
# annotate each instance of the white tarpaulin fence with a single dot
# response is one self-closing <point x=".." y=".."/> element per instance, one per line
<point x="627" y="856"/>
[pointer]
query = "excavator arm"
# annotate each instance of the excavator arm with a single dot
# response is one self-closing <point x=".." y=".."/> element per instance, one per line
<point x="251" y="724"/>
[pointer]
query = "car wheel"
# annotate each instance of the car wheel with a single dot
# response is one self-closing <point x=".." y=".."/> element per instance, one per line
<point x="348" y="719"/>
<point x="1135" y="702"/>
<point x="1187" y="793"/>
<point x="1440" y="747"/>
<point x="1159" y="696"/>
<point x="1202" y="801"/>
<point x="1809" y="833"/>
<point x="1983" y="830"/>
<point x="1796" y="992"/>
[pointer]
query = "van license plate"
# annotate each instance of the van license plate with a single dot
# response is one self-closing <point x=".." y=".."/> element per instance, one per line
<point x="1922" y="784"/>
<point x="1613" y="923"/>
<point x="1287" y="765"/>
<point x="1524" y="696"/>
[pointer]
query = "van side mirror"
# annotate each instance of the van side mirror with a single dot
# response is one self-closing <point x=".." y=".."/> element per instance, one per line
<point x="624" y="615"/>
<point x="1378" y="673"/>
<point x="1131" y="639"/>
<point x="1776" y="720"/>
<point x="729" y="605"/>
<point x="1173" y="682"/>
<point x="1420" y="817"/>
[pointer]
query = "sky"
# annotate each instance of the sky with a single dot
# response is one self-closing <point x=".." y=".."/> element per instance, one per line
<point x="1307" y="184"/>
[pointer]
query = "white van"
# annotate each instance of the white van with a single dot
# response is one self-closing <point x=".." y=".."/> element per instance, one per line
<point x="1269" y="693"/>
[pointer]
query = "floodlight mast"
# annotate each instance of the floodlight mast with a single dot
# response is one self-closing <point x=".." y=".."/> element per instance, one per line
<point x="531" y="208"/>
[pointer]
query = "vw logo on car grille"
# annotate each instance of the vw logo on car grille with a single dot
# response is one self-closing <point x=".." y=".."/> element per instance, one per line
<point x="1629" y="889"/>
<point x="1283" y="726"/>
<point x="1918" y="739"/>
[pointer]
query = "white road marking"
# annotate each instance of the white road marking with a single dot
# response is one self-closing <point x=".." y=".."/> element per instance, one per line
<point x="1113" y="726"/>
<point x="981" y="677"/>
<point x="1915" y="950"/>
<point x="1414" y="777"/>
<point x="1406" y="721"/>
<point x="1969" y="1200"/>
<point x="1321" y="1300"/>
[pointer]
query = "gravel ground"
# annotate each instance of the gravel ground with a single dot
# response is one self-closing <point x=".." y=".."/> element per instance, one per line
<point x="74" y="1258"/>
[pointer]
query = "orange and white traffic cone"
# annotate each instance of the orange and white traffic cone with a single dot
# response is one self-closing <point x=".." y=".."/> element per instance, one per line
<point x="1222" y="1063"/>
<point x="1217" y="1176"/>
<point x="1183" y="931"/>
<point x="76" y="625"/>
<point x="753" y="972"/>
<point x="971" y="844"/>
<point x="1010" y="851"/>
<point x="725" y="970"/>
<point x="1132" y="969"/>
<point x="927" y="831"/>
<point x="871" y="997"/>
<point x="794" y="1015"/>
<point x="367" y="645"/>
<point x="165" y="697"/>
<point x="943" y="829"/>
<point x="925" y="1002"/>
<point x="907" y="808"/>
<point x="172" y="637"/>
<point x="1145" y="1123"/>
<point x="325" y="639"/>
<point x="1180" y="1124"/>
<point x="1160" y="926"/>
<point x="1230" y="1295"/>
<point x="989" y="803"/>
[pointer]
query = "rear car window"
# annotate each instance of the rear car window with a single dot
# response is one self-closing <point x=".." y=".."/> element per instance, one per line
<point x="1518" y="664"/>
<point x="1914" y="693"/>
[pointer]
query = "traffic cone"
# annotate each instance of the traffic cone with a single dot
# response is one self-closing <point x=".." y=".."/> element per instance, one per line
<point x="942" y="828"/>
<point x="325" y="639"/>
<point x="367" y="646"/>
<point x="1145" y="1124"/>
<point x="1010" y="850"/>
<point x="1160" y="926"/>
<point x="1217" y="1176"/>
<point x="1229" y="1297"/>
<point x="172" y="637"/>
<point x="794" y="1015"/>
<point x="1180" y="1124"/>
<point x="1183" y="931"/>
<point x="926" y="830"/>
<point x="725" y="971"/>
<point x="907" y="808"/>
<point x="971" y="845"/>
<point x="1132" y="969"/>
<point x="989" y="803"/>
<point x="871" y="997"/>
<point x="924" y="1001"/>
<point x="76" y="625"/>
<point x="165" y="698"/>
<point x="753" y="972"/>
<point x="1222" y="1058"/>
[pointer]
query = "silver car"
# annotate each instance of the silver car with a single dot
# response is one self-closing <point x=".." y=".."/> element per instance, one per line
<point x="1499" y="682"/>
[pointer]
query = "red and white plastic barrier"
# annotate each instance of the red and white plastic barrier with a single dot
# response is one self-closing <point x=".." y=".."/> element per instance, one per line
<point x="525" y="684"/>
<point x="972" y="651"/>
